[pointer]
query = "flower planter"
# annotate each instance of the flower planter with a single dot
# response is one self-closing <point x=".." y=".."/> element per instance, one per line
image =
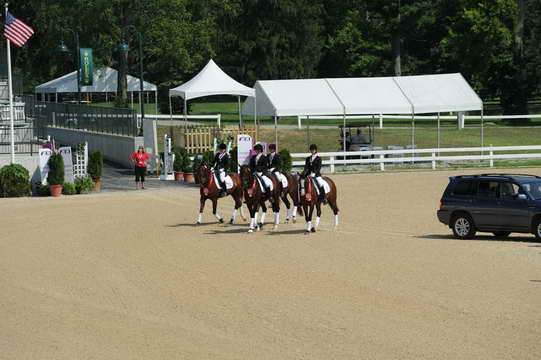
<point x="97" y="185"/>
<point x="56" y="190"/>
<point x="188" y="177"/>
<point x="179" y="176"/>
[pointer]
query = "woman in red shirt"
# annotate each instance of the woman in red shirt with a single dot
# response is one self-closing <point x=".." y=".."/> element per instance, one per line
<point x="140" y="161"/>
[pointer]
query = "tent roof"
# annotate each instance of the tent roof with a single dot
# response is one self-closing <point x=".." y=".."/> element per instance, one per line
<point x="356" y="96"/>
<point x="105" y="80"/>
<point x="211" y="80"/>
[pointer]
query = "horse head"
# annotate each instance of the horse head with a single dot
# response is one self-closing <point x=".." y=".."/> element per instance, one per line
<point x="247" y="179"/>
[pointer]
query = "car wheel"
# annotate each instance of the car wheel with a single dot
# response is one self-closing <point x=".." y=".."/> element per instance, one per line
<point x="537" y="229"/>
<point x="463" y="227"/>
<point x="501" y="234"/>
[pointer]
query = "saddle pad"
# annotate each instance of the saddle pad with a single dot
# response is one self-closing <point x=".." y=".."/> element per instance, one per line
<point x="326" y="186"/>
<point x="267" y="181"/>
<point x="228" y="182"/>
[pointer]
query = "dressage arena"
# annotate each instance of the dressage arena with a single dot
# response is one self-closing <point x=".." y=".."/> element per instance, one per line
<point x="127" y="275"/>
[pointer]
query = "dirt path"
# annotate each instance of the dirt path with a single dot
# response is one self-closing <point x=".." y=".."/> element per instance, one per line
<point x="126" y="275"/>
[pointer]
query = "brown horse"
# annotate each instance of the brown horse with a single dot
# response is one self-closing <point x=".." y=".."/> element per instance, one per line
<point x="255" y="198"/>
<point x="292" y="192"/>
<point x="309" y="198"/>
<point x="210" y="190"/>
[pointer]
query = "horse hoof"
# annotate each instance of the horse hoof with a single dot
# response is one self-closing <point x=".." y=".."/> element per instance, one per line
<point x="313" y="229"/>
<point x="221" y="221"/>
<point x="250" y="231"/>
<point x="260" y="225"/>
<point x="294" y="220"/>
<point x="287" y="221"/>
<point x="258" y="228"/>
<point x="198" y="223"/>
<point x="307" y="232"/>
<point x="231" y="222"/>
<point x="275" y="227"/>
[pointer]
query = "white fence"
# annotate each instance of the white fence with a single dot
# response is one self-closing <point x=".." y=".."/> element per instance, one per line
<point x="412" y="156"/>
<point x="461" y="118"/>
<point x="174" y="119"/>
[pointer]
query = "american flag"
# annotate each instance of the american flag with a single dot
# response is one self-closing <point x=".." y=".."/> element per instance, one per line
<point x="16" y="31"/>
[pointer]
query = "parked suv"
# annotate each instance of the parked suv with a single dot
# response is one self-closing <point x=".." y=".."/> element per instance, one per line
<point x="496" y="203"/>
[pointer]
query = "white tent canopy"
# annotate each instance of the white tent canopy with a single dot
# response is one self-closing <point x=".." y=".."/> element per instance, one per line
<point x="105" y="80"/>
<point x="211" y="80"/>
<point x="355" y="96"/>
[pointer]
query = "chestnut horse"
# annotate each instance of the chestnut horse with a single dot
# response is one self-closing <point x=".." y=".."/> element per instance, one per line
<point x="210" y="190"/>
<point x="293" y="192"/>
<point x="309" y="198"/>
<point x="255" y="198"/>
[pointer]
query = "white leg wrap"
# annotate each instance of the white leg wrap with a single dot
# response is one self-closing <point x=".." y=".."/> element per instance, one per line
<point x="335" y="220"/>
<point x="263" y="215"/>
<point x="288" y="213"/>
<point x="308" y="226"/>
<point x="276" y="218"/>
<point x="252" y="223"/>
<point x="199" y="217"/>
<point x="234" y="215"/>
<point x="256" y="215"/>
<point x="294" y="211"/>
<point x="317" y="221"/>
<point x="217" y="216"/>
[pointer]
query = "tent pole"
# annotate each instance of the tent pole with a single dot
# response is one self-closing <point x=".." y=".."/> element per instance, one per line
<point x="156" y="100"/>
<point x="438" y="132"/>
<point x="240" y="114"/>
<point x="307" y="130"/>
<point x="276" y="130"/>
<point x="170" y="109"/>
<point x="185" y="114"/>
<point x="132" y="99"/>
<point x="482" y="130"/>
<point x="255" y="116"/>
<point x="413" y="137"/>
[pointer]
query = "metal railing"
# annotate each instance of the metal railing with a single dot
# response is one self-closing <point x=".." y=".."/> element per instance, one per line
<point x="26" y="139"/>
<point x="82" y="117"/>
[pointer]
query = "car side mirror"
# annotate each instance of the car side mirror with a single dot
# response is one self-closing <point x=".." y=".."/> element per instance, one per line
<point x="522" y="197"/>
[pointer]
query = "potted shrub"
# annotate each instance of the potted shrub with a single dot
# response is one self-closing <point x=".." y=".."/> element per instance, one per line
<point x="55" y="178"/>
<point x="188" y="170"/>
<point x="69" y="189"/>
<point x="14" y="181"/>
<point x="84" y="185"/>
<point x="178" y="165"/>
<point x="95" y="168"/>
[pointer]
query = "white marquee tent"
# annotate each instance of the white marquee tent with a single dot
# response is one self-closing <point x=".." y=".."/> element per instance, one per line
<point x="211" y="80"/>
<point x="363" y="96"/>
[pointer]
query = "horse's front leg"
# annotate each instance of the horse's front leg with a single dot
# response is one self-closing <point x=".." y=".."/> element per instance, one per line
<point x="201" y="208"/>
<point x="318" y="216"/>
<point x="276" y="209"/>
<point x="263" y="213"/>
<point x="214" y="210"/>
<point x="309" y="212"/>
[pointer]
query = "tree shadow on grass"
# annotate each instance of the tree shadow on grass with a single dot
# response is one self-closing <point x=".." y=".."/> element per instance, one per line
<point x="529" y="239"/>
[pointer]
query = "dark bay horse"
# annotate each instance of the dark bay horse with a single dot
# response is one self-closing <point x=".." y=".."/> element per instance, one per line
<point x="210" y="190"/>
<point x="292" y="192"/>
<point x="309" y="198"/>
<point x="255" y="198"/>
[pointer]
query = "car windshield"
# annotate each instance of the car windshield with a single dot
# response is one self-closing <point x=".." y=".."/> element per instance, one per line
<point x="533" y="188"/>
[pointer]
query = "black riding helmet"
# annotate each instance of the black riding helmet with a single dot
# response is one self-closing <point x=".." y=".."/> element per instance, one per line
<point x="313" y="147"/>
<point x="258" y="147"/>
<point x="222" y="146"/>
<point x="272" y="147"/>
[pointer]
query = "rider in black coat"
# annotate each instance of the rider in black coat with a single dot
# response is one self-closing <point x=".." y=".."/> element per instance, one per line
<point x="260" y="166"/>
<point x="275" y="167"/>
<point x="312" y="167"/>
<point x="221" y="163"/>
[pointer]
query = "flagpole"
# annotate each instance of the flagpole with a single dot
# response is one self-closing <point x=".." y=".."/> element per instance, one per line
<point x="10" y="94"/>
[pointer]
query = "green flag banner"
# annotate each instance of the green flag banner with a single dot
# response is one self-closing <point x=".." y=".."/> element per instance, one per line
<point x="87" y="67"/>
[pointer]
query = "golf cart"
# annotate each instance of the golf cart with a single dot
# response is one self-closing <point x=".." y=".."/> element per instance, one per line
<point x="358" y="137"/>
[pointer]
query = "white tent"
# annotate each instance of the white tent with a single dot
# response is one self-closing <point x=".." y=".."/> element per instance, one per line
<point x="105" y="80"/>
<point x="364" y="96"/>
<point x="211" y="80"/>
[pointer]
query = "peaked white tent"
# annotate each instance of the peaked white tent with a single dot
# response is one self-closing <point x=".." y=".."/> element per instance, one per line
<point x="105" y="81"/>
<point x="364" y="96"/>
<point x="211" y="80"/>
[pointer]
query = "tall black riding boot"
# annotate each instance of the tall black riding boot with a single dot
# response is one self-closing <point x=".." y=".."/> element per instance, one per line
<point x="322" y="194"/>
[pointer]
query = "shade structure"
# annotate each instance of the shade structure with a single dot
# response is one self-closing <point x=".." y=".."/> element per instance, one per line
<point x="211" y="80"/>
<point x="105" y="80"/>
<point x="356" y="96"/>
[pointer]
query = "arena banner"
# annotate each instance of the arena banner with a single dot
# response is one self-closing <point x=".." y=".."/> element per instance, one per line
<point x="68" y="164"/>
<point x="244" y="147"/>
<point x="87" y="67"/>
<point x="44" y="155"/>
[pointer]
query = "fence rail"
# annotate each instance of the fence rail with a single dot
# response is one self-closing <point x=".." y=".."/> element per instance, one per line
<point x="382" y="157"/>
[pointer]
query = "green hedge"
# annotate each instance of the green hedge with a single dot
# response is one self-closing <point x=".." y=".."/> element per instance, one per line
<point x="14" y="181"/>
<point x="95" y="165"/>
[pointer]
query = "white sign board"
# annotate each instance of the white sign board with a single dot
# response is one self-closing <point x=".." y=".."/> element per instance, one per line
<point x="68" y="164"/>
<point x="244" y="146"/>
<point x="44" y="155"/>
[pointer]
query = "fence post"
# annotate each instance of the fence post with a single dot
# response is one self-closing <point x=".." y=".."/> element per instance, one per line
<point x="381" y="163"/>
<point x="332" y="164"/>
<point x="219" y="120"/>
<point x="433" y="160"/>
<point x="381" y="121"/>
<point x="491" y="153"/>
